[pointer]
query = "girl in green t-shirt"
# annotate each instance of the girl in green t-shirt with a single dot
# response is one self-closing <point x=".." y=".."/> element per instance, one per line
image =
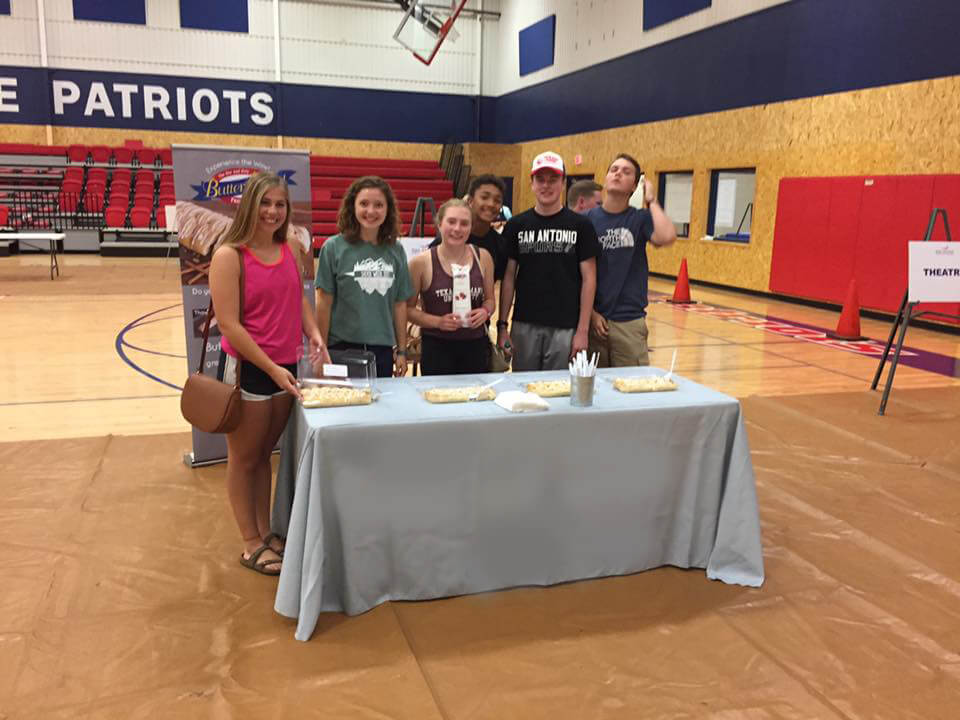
<point x="363" y="283"/>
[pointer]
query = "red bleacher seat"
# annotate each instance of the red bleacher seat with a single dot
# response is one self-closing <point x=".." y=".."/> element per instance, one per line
<point x="428" y="231"/>
<point x="143" y="201"/>
<point x="122" y="174"/>
<point x="93" y="202"/>
<point x="73" y="173"/>
<point x="140" y="217"/>
<point x="77" y="153"/>
<point x="422" y="186"/>
<point x="68" y="201"/>
<point x="122" y="155"/>
<point x="144" y="176"/>
<point x="96" y="186"/>
<point x="70" y="186"/>
<point x="100" y="153"/>
<point x="96" y="175"/>
<point x="166" y="199"/>
<point x="388" y="173"/>
<point x="166" y="156"/>
<point x="146" y="156"/>
<point x="115" y="216"/>
<point x="4" y="215"/>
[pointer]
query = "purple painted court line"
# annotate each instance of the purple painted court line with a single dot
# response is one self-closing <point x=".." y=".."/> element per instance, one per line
<point x="913" y="357"/>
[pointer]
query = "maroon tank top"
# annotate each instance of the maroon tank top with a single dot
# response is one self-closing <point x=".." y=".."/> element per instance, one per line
<point x="438" y="298"/>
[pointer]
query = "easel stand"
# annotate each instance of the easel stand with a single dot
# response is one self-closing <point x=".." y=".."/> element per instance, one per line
<point x="905" y="314"/>
<point x="420" y="217"/>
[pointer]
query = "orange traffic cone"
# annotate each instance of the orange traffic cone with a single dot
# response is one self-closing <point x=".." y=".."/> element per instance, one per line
<point x="848" y="328"/>
<point x="681" y="292"/>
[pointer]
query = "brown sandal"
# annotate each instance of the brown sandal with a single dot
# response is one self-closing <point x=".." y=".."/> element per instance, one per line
<point x="261" y="566"/>
<point x="273" y="536"/>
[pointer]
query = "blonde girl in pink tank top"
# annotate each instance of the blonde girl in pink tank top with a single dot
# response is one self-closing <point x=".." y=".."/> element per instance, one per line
<point x="276" y="313"/>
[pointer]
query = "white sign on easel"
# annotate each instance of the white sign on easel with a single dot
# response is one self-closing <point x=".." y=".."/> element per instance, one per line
<point x="934" y="272"/>
<point x="413" y="246"/>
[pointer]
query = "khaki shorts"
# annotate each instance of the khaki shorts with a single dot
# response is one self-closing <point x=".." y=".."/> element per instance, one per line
<point x="624" y="346"/>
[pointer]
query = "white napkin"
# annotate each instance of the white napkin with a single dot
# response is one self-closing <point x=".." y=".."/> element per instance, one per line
<point x="516" y="401"/>
<point x="461" y="293"/>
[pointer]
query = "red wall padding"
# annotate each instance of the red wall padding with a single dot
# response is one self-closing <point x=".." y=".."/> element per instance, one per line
<point x="832" y="229"/>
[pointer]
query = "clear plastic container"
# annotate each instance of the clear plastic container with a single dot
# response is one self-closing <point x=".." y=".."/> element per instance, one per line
<point x="348" y="379"/>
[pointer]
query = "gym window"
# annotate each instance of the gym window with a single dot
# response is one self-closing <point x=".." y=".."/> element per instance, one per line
<point x="731" y="204"/>
<point x="675" y="194"/>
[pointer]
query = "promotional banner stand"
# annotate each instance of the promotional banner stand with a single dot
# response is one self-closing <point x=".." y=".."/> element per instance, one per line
<point x="209" y="181"/>
<point x="905" y="314"/>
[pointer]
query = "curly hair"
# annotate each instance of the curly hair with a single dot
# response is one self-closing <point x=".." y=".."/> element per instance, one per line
<point x="347" y="222"/>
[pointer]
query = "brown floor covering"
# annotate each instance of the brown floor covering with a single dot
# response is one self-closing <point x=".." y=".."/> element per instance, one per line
<point x="122" y="597"/>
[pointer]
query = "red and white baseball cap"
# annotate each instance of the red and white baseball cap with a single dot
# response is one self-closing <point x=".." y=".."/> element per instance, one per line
<point x="547" y="161"/>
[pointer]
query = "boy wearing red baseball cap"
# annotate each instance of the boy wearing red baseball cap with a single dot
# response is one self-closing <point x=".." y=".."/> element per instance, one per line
<point x="552" y="267"/>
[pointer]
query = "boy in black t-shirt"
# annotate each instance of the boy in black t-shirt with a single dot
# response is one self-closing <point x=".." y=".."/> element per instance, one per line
<point x="485" y="198"/>
<point x="551" y="264"/>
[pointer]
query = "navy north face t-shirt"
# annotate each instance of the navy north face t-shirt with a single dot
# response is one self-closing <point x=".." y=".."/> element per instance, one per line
<point x="622" y="266"/>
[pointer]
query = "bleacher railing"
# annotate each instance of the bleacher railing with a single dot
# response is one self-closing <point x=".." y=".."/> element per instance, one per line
<point x="54" y="211"/>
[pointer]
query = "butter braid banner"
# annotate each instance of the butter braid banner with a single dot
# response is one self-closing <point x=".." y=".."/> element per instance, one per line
<point x="208" y="184"/>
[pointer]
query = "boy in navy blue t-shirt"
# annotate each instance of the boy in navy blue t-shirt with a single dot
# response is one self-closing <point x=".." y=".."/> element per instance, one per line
<point x="618" y="326"/>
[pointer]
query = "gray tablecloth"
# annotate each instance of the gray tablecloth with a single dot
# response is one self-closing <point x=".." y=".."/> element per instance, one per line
<point x="404" y="500"/>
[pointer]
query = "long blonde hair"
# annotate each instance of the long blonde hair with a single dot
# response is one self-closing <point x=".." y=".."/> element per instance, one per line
<point x="248" y="214"/>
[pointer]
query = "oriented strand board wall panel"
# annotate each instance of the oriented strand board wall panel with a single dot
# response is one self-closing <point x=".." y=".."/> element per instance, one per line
<point x="35" y="134"/>
<point x="912" y="128"/>
<point x="500" y="160"/>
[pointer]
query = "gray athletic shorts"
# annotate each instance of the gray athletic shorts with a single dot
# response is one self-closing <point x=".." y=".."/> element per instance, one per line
<point x="538" y="347"/>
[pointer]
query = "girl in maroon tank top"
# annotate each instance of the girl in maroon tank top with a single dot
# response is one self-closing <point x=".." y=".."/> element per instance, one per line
<point x="453" y="343"/>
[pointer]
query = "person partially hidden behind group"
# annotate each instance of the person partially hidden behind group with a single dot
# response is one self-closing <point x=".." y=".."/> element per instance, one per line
<point x="275" y="316"/>
<point x="453" y="344"/>
<point x="363" y="283"/>
<point x="485" y="200"/>
<point x="584" y="195"/>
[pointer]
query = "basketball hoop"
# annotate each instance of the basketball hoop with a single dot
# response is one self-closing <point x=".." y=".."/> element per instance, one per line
<point x="424" y="28"/>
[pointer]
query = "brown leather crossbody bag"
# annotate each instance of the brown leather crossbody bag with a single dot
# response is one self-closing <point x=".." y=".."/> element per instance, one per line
<point x="207" y="403"/>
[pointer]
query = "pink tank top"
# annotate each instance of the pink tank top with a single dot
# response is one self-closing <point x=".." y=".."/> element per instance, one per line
<point x="272" y="304"/>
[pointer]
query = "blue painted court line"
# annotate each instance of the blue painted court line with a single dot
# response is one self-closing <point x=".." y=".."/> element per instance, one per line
<point x="119" y="344"/>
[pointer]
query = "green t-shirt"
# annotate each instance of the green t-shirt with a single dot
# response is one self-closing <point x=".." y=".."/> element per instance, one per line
<point x="366" y="281"/>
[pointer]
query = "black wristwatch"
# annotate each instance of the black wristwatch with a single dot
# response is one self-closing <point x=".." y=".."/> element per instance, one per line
<point x="502" y="323"/>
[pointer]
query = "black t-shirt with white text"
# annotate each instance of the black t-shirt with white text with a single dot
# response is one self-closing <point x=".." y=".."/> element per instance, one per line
<point x="548" y="251"/>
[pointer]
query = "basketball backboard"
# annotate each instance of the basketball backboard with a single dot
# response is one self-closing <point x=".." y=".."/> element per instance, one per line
<point x="426" y="25"/>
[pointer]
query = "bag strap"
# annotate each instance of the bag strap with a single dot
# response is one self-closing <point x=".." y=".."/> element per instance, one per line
<point x="476" y="257"/>
<point x="206" y="325"/>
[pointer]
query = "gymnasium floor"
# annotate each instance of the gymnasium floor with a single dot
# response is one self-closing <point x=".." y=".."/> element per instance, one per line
<point x="122" y="597"/>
